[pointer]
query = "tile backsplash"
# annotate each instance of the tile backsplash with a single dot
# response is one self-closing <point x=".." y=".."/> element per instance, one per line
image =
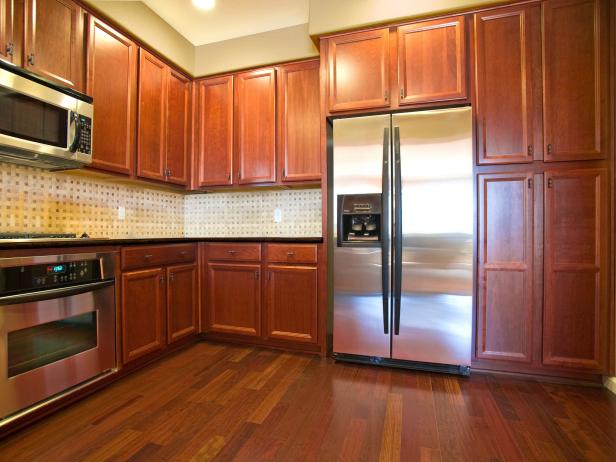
<point x="34" y="200"/>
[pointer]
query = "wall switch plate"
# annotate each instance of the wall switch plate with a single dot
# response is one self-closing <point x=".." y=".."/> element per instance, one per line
<point x="121" y="212"/>
<point x="277" y="215"/>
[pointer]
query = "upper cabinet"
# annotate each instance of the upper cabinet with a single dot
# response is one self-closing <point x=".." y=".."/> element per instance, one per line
<point x="164" y="122"/>
<point x="112" y="82"/>
<point x="54" y="41"/>
<point x="358" y="70"/>
<point x="255" y="126"/>
<point x="432" y="61"/>
<point x="299" y="123"/>
<point x="508" y="86"/>
<point x="259" y="127"/>
<point x="575" y="79"/>
<point x="214" y="114"/>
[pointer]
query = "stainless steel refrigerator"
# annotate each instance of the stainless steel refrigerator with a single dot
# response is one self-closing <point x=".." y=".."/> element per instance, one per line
<point x="402" y="239"/>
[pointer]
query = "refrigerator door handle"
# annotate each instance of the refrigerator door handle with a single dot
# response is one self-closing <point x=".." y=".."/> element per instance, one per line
<point x="397" y="231"/>
<point x="385" y="230"/>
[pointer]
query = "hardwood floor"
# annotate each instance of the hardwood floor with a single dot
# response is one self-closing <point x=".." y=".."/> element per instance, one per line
<point x="220" y="402"/>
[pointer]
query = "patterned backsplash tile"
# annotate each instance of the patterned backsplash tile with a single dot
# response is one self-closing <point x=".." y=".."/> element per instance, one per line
<point x="34" y="200"/>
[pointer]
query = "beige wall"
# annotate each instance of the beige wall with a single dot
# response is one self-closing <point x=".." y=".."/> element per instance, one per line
<point x="327" y="16"/>
<point x="270" y="47"/>
<point x="151" y="29"/>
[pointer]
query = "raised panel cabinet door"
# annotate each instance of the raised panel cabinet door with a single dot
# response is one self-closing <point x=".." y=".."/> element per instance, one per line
<point x="432" y="61"/>
<point x="215" y="131"/>
<point x="292" y="294"/>
<point x="7" y="47"/>
<point x="143" y="299"/>
<point x="255" y="126"/>
<point x="299" y="122"/>
<point x="182" y="302"/>
<point x="358" y="71"/>
<point x="507" y="52"/>
<point x="54" y="41"/>
<point x="151" y="128"/>
<point x="112" y="82"/>
<point x="178" y="129"/>
<point x="234" y="298"/>
<point x="575" y="79"/>
<point x="575" y="311"/>
<point x="505" y="281"/>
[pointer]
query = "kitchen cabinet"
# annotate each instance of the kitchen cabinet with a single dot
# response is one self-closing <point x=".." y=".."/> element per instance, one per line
<point x="54" y="41"/>
<point x="575" y="319"/>
<point x="505" y="273"/>
<point x="164" y="122"/>
<point x="508" y="84"/>
<point x="575" y="79"/>
<point x="112" y="82"/>
<point x="255" y="126"/>
<point x="159" y="297"/>
<point x="182" y="302"/>
<point x="152" y="117"/>
<point x="143" y="300"/>
<point x="177" y="128"/>
<point x="7" y="47"/>
<point x="358" y="70"/>
<point x="432" y="61"/>
<point x="234" y="298"/>
<point x="292" y="293"/>
<point x="215" y="131"/>
<point x="299" y="122"/>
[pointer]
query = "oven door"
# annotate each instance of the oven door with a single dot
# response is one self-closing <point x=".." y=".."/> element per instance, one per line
<point x="53" y="340"/>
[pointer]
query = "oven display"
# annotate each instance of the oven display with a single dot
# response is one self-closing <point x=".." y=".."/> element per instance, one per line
<point x="56" y="269"/>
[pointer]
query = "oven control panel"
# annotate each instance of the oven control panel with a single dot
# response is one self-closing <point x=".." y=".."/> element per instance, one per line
<point x="18" y="279"/>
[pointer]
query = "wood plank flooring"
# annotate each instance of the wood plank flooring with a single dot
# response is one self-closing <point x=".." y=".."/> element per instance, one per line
<point x="214" y="402"/>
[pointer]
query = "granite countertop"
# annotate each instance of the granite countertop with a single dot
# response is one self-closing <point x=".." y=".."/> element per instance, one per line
<point x="8" y="244"/>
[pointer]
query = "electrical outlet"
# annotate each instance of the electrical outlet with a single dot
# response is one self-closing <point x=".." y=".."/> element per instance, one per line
<point x="121" y="212"/>
<point x="277" y="215"/>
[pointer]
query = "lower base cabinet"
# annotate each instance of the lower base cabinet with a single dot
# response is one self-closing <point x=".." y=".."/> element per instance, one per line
<point x="159" y="305"/>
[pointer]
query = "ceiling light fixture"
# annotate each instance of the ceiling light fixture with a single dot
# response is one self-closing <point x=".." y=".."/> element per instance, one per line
<point x="204" y="4"/>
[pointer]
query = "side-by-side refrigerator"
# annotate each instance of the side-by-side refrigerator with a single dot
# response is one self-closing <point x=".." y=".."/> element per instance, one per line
<point x="402" y="239"/>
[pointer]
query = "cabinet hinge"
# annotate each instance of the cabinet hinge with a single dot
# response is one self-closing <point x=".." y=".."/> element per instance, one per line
<point x="530" y="150"/>
<point x="550" y="148"/>
<point x="550" y="183"/>
<point x="530" y="183"/>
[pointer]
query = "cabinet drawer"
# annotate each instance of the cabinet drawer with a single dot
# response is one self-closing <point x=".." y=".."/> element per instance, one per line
<point x="292" y="253"/>
<point x="234" y="252"/>
<point x="143" y="256"/>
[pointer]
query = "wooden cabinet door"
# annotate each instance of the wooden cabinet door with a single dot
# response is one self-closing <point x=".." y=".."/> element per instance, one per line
<point x="505" y="282"/>
<point x="255" y="126"/>
<point x="215" y="131"/>
<point x="143" y="298"/>
<point x="507" y="52"/>
<point x="54" y="45"/>
<point x="292" y="293"/>
<point x="112" y="82"/>
<point x="358" y="70"/>
<point x="182" y="302"/>
<point x="153" y="78"/>
<point x="234" y="298"/>
<point x="575" y="313"/>
<point x="575" y="91"/>
<point x="178" y="128"/>
<point x="7" y="48"/>
<point x="299" y="122"/>
<point x="432" y="61"/>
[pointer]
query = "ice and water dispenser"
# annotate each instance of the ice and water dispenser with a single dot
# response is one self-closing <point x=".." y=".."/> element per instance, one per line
<point x="359" y="220"/>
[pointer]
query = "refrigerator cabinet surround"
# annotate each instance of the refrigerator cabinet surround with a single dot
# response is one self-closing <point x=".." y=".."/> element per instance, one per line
<point x="406" y="302"/>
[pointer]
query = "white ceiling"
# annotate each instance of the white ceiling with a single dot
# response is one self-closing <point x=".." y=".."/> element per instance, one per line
<point x="229" y="18"/>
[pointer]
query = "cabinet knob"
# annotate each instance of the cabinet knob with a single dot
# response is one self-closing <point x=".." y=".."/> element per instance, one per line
<point x="31" y="60"/>
<point x="147" y="256"/>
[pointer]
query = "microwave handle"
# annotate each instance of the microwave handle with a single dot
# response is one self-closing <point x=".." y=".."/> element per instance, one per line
<point x="75" y="144"/>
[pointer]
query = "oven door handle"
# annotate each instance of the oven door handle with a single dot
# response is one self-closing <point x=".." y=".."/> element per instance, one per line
<point x="59" y="292"/>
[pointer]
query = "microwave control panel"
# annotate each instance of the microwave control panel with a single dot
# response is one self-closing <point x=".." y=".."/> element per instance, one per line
<point x="85" y="138"/>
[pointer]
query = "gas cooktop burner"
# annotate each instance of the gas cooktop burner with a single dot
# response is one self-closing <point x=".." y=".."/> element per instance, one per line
<point x="38" y="235"/>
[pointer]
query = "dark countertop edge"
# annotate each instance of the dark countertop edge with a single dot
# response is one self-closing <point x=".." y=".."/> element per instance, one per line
<point x="42" y="243"/>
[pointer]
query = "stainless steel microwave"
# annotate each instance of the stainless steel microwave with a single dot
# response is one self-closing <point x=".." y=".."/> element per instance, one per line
<point x="43" y="124"/>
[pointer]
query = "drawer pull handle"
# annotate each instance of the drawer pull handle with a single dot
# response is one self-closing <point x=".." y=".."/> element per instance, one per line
<point x="290" y="254"/>
<point x="183" y="253"/>
<point x="232" y="252"/>
<point x="147" y="256"/>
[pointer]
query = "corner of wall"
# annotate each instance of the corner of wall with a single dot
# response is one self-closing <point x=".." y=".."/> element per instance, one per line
<point x="610" y="384"/>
